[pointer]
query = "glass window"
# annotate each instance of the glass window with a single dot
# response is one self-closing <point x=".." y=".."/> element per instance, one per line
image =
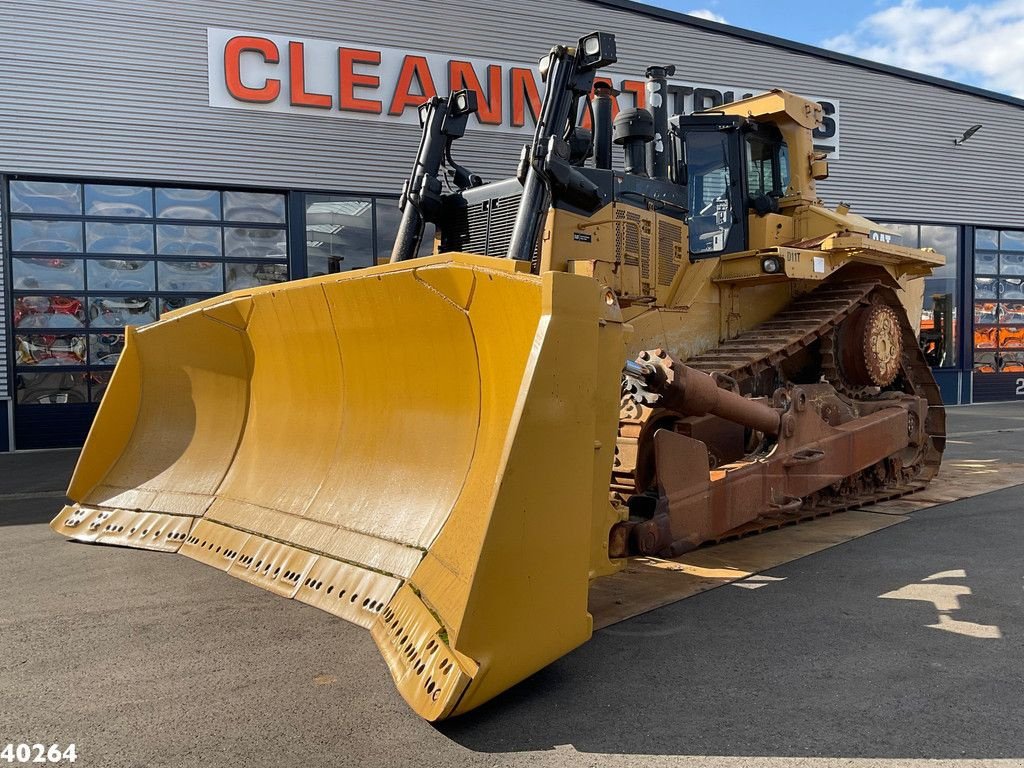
<point x="999" y="325"/>
<point x="940" y="307"/>
<point x="48" y="274"/>
<point x="170" y="303"/>
<point x="50" y="349"/>
<point x="760" y="168"/>
<point x="1011" y="263"/>
<point x="49" y="312"/>
<point x="190" y="276"/>
<point x="1010" y="240"/>
<point x="253" y="243"/>
<point x="121" y="275"/>
<point x="50" y="388"/>
<point x="986" y="263"/>
<point x="388" y="217"/>
<point x="46" y="236"/>
<point x="114" y="237"/>
<point x="986" y="238"/>
<point x="90" y="259"/>
<point x="98" y="382"/>
<point x="196" y="240"/>
<point x="116" y="201"/>
<point x="202" y="204"/>
<point x="339" y="233"/>
<point x="260" y="207"/>
<point x="105" y="348"/>
<point x="119" y="311"/>
<point x="52" y="197"/>
<point x="241" y="275"/>
<point x="908" y="234"/>
<point x="711" y="213"/>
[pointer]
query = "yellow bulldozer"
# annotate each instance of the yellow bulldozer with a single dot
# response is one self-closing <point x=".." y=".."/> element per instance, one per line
<point x="601" y="359"/>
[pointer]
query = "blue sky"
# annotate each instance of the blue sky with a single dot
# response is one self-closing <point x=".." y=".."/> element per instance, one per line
<point x="979" y="43"/>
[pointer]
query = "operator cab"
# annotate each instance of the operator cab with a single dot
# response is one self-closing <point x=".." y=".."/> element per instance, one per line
<point x="730" y="166"/>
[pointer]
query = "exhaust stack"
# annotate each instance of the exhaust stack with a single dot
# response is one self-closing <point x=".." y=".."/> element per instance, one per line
<point x="604" y="99"/>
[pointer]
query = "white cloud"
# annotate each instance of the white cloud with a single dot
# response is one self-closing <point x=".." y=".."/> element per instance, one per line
<point x="704" y="13"/>
<point x="981" y="43"/>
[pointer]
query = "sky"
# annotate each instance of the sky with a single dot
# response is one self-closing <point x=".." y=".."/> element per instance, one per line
<point x="979" y="43"/>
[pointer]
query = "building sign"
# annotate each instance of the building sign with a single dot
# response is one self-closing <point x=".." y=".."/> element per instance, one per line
<point x="299" y="75"/>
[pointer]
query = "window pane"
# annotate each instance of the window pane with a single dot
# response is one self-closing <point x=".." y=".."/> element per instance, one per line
<point x="52" y="388"/>
<point x="986" y="238"/>
<point x="1011" y="240"/>
<point x="112" y="200"/>
<point x="985" y="338"/>
<point x="985" y="312"/>
<point x="105" y="348"/>
<point x="111" y="237"/>
<point x="170" y="303"/>
<point x="46" y="197"/>
<point x="1011" y="288"/>
<point x="908" y="234"/>
<point x="50" y="349"/>
<point x="121" y="275"/>
<point x="48" y="274"/>
<point x="119" y="311"/>
<point x="339" y="233"/>
<point x="938" y="321"/>
<point x="241" y="275"/>
<point x="1011" y="337"/>
<point x="985" y="288"/>
<point x="188" y="204"/>
<point x="254" y="206"/>
<point x="191" y="276"/>
<point x="388" y="217"/>
<point x="1011" y="312"/>
<point x="985" y="361"/>
<point x="1009" y="361"/>
<point x="943" y="240"/>
<point x="49" y="312"/>
<point x="1011" y="263"/>
<point x="245" y="243"/>
<point x="98" y="385"/>
<point x="199" y="241"/>
<point x="986" y="263"/>
<point x="46" y="236"/>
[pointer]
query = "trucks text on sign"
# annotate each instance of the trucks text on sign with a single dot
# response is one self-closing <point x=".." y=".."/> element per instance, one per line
<point x="297" y="75"/>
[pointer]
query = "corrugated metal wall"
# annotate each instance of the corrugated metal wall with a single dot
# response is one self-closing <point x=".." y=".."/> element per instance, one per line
<point x="119" y="89"/>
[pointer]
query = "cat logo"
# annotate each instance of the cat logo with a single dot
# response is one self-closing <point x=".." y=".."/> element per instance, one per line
<point x="886" y="237"/>
<point x="582" y="237"/>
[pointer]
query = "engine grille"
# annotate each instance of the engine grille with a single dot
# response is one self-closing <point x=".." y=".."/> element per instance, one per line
<point x="483" y="228"/>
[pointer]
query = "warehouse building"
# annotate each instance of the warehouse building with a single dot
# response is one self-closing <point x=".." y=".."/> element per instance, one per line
<point x="159" y="153"/>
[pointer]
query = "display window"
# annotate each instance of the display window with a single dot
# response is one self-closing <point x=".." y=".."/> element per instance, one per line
<point x="940" y="309"/>
<point x="89" y="259"/>
<point x="998" y="301"/>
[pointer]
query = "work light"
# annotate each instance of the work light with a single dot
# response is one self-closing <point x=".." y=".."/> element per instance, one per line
<point x="596" y="50"/>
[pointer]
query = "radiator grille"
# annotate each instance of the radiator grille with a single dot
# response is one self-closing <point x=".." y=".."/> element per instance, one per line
<point x="670" y="251"/>
<point x="484" y="228"/>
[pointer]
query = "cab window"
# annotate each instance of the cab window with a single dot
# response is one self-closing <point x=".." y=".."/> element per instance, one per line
<point x="711" y="214"/>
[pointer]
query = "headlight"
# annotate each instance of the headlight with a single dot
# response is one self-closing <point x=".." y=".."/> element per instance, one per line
<point x="772" y="265"/>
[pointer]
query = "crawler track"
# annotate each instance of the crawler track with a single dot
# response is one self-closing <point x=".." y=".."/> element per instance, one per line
<point x="758" y="359"/>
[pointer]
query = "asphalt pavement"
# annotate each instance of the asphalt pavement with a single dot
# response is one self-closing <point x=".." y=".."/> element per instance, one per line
<point x="905" y="647"/>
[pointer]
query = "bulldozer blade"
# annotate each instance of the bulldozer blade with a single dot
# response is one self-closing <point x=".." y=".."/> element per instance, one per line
<point x="422" y="449"/>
